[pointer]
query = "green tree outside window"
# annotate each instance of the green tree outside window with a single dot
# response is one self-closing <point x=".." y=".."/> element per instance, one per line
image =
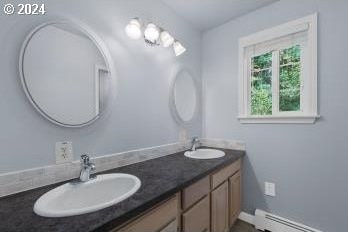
<point x="289" y="81"/>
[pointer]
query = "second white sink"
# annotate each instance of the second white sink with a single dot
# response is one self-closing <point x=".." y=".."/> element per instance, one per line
<point x="85" y="197"/>
<point x="205" y="154"/>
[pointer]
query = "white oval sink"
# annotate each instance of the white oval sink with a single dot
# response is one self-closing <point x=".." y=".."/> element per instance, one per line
<point x="85" y="197"/>
<point x="205" y="154"/>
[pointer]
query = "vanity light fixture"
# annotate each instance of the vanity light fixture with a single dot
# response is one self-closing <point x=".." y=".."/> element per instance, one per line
<point x="178" y="48"/>
<point x="153" y="35"/>
<point x="166" y="39"/>
<point x="133" y="29"/>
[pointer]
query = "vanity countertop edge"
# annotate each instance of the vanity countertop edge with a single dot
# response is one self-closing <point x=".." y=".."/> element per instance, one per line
<point x="160" y="178"/>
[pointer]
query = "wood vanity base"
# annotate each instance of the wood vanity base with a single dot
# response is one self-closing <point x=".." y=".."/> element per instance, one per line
<point x="212" y="204"/>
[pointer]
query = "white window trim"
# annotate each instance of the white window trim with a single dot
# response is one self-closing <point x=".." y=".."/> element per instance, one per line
<point x="310" y="114"/>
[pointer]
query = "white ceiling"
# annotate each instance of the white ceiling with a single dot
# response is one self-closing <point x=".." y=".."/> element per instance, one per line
<point x="206" y="14"/>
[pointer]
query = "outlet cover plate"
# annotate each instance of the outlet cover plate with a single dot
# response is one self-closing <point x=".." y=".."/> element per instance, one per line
<point x="270" y="189"/>
<point x="64" y="152"/>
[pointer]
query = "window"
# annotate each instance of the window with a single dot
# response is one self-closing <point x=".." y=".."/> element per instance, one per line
<point x="278" y="76"/>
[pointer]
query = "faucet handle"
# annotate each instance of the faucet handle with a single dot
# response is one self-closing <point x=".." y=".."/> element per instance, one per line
<point x="85" y="159"/>
<point x="92" y="165"/>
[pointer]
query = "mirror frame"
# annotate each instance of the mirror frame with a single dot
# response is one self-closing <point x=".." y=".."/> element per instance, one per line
<point x="98" y="42"/>
<point x="173" y="107"/>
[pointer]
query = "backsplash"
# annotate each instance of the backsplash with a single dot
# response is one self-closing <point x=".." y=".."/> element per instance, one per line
<point x="223" y="143"/>
<point x="14" y="182"/>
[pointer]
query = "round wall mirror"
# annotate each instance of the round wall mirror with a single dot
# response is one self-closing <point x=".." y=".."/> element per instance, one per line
<point x="65" y="73"/>
<point x="184" y="97"/>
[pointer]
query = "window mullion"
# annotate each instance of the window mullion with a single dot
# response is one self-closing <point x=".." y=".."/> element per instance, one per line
<point x="275" y="82"/>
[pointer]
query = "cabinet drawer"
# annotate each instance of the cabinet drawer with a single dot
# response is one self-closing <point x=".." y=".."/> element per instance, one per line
<point x="195" y="192"/>
<point x="222" y="175"/>
<point x="157" y="219"/>
<point x="197" y="219"/>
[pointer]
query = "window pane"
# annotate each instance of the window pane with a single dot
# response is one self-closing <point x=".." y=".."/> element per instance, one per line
<point x="261" y="84"/>
<point x="261" y="62"/>
<point x="289" y="79"/>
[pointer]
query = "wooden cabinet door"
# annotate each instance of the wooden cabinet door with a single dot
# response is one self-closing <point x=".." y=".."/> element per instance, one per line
<point x="197" y="219"/>
<point x="219" y="212"/>
<point x="235" y="196"/>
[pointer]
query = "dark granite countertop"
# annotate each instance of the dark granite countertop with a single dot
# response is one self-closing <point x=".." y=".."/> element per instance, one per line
<point x="160" y="179"/>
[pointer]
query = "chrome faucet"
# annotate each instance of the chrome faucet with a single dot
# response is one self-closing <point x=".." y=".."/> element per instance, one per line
<point x="87" y="167"/>
<point x="195" y="140"/>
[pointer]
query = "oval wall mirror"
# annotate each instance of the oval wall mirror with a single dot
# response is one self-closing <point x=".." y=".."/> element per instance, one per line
<point x="65" y="73"/>
<point x="184" y="97"/>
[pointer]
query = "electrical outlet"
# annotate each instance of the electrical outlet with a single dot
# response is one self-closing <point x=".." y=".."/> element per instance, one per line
<point x="64" y="152"/>
<point x="270" y="189"/>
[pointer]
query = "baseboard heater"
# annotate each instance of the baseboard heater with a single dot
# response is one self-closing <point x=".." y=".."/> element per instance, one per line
<point x="269" y="222"/>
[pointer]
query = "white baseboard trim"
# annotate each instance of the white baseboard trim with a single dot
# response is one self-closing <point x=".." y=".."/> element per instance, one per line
<point x="248" y="218"/>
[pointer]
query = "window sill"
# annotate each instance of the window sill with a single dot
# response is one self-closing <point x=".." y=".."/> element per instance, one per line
<point x="278" y="119"/>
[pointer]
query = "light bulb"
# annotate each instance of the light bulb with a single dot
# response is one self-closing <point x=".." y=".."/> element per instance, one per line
<point x="151" y="33"/>
<point x="178" y="48"/>
<point x="133" y="29"/>
<point x="166" y="39"/>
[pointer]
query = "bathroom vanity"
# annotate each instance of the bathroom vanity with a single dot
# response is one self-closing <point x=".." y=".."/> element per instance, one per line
<point x="210" y="204"/>
<point x="177" y="193"/>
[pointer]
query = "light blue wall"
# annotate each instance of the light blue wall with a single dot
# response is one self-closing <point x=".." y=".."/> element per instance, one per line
<point x="140" y="115"/>
<point x="308" y="163"/>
